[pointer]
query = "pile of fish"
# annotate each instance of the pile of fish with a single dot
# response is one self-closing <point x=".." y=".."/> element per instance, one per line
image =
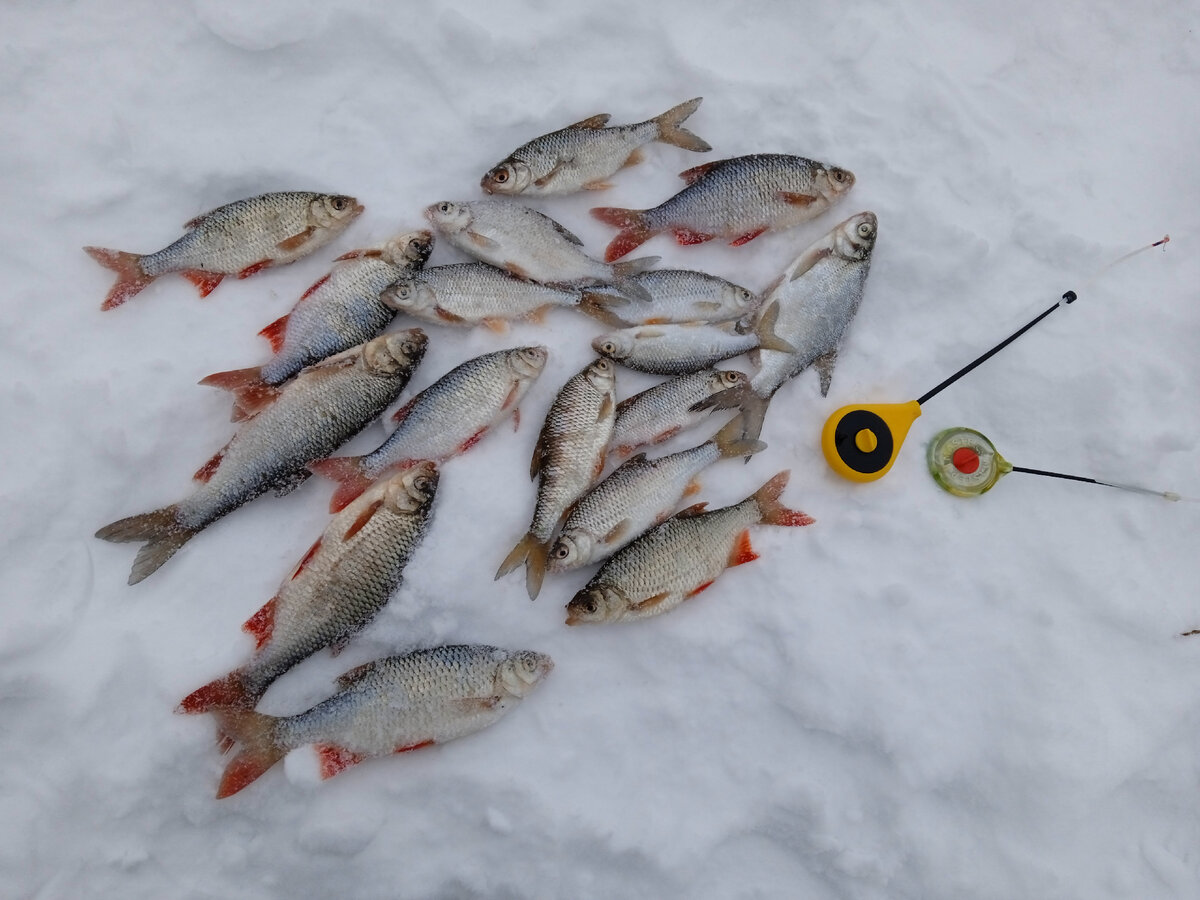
<point x="337" y="363"/>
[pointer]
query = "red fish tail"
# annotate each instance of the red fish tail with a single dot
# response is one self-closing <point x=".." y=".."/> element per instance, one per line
<point x="131" y="279"/>
<point x="251" y="395"/>
<point x="229" y="691"/>
<point x="634" y="230"/>
<point x="349" y="473"/>
<point x="774" y="512"/>
<point x="159" y="529"/>
<point x="260" y="747"/>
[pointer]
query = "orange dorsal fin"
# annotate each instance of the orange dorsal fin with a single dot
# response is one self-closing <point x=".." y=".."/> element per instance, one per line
<point x="334" y="759"/>
<point x="261" y="625"/>
<point x="742" y="552"/>
<point x="275" y="331"/>
<point x="597" y="121"/>
<point x="695" y="173"/>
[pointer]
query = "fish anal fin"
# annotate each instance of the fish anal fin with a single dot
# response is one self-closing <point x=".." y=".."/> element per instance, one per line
<point x="334" y="759"/>
<point x="205" y="282"/>
<point x="824" y="365"/>
<point x="275" y="332"/>
<point x="688" y="236"/>
<point x="742" y="552"/>
<point x="261" y="625"/>
<point x="254" y="268"/>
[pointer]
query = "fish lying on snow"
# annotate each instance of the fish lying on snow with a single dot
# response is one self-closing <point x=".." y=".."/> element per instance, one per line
<point x="679" y="558"/>
<point x="736" y="198"/>
<point x="530" y="245"/>
<point x="676" y="295"/>
<point x="238" y="238"/>
<point x="388" y="706"/>
<point x="312" y="416"/>
<point x="340" y="311"/>
<point x="661" y="412"/>
<point x="339" y="586"/>
<point x="447" y="418"/>
<point x="582" y="155"/>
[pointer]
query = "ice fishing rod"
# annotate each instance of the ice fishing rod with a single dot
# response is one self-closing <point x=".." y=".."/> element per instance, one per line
<point x="862" y="441"/>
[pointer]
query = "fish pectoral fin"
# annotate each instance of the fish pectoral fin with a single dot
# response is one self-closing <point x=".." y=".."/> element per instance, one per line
<point x="550" y="176"/>
<point x="597" y="121"/>
<point x="617" y="532"/>
<point x="606" y="408"/>
<point x="824" y="365"/>
<point x="482" y="241"/>
<point x="798" y="199"/>
<point x="478" y="704"/>
<point x="359" y="254"/>
<point x="362" y="520"/>
<point x="596" y="185"/>
<point x="448" y="316"/>
<point x="567" y="233"/>
<point x="696" y="509"/>
<point x="808" y="260"/>
<point x="651" y="602"/>
<point x="497" y="326"/>
<point x="296" y="241"/>
<point x="355" y="675"/>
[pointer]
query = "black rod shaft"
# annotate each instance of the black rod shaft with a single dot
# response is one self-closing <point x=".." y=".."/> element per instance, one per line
<point x="1059" y="475"/>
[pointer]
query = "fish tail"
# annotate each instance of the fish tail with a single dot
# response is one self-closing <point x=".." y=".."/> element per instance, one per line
<point x="229" y="691"/>
<point x="251" y="394"/>
<point x="350" y="475"/>
<point x="634" y="229"/>
<point x="623" y="280"/>
<point x="260" y="747"/>
<point x="131" y="278"/>
<point x="159" y="529"/>
<point x="764" y="328"/>
<point x="535" y="554"/>
<point x="773" y="512"/>
<point x="671" y="130"/>
<point x="730" y="442"/>
<point x="599" y="306"/>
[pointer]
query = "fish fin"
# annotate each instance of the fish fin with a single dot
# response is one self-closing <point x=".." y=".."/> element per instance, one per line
<point x="416" y="746"/>
<point x="696" y="509"/>
<point x="533" y="553"/>
<point x="496" y="326"/>
<point x="361" y="522"/>
<point x="567" y="233"/>
<point x="261" y="625"/>
<point x="703" y="587"/>
<point x="197" y="221"/>
<point x="131" y="279"/>
<point x="765" y="329"/>
<point x="403" y="412"/>
<point x="481" y="241"/>
<point x="223" y="693"/>
<point x="205" y="473"/>
<point x="633" y="230"/>
<point x="275" y="332"/>
<point x="538" y="316"/>
<point x="336" y="759"/>
<point x="254" y="268"/>
<point x="549" y="176"/>
<point x="290" y="244"/>
<point x="355" y="675"/>
<point x="477" y="704"/>
<point x="695" y="173"/>
<point x="374" y="253"/>
<point x="599" y="306"/>
<point x="597" y="121"/>
<point x="313" y="288"/>
<point x="511" y="399"/>
<point x="606" y="408"/>
<point x="251" y="395"/>
<point x="747" y="237"/>
<point x="447" y="316"/>
<point x="742" y="552"/>
<point x="340" y="644"/>
<point x="471" y="441"/>
<point x="798" y="199"/>
<point x="596" y="185"/>
<point x="772" y="511"/>
<point x="671" y="130"/>
<point x="348" y="472"/>
<point x="160" y="530"/>
<point x="623" y="281"/>
<point x="666" y="435"/>
<point x="688" y="236"/>
<point x="260" y="747"/>
<point x="730" y="443"/>
<point x="516" y="418"/>
<point x="692" y="488"/>
<point x="637" y="156"/>
<point x="617" y="532"/>
<point x="304" y="561"/>
<point x="205" y="282"/>
<point x="824" y="365"/>
<point x="516" y="271"/>
<point x="652" y="601"/>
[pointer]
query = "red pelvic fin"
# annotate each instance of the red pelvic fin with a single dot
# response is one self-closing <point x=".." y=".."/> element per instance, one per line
<point x="130" y="277"/>
<point x="315" y="286"/>
<point x="742" y="552"/>
<point x="334" y="759"/>
<point x="205" y="282"/>
<point x="634" y="230"/>
<point x="402" y="413"/>
<point x="274" y="333"/>
<point x="348" y="473"/>
<point x="472" y="441"/>
<point x="416" y="746"/>
<point x="254" y="268"/>
<point x="688" y="236"/>
<point x="361" y="522"/>
<point x="223" y="693"/>
<point x="747" y="237"/>
<point x="262" y="624"/>
<point x="312" y="551"/>
<point x="702" y="587"/>
<point x="205" y="473"/>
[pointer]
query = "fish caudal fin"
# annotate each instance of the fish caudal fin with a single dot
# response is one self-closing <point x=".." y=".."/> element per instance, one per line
<point x="130" y="277"/>
<point x="251" y="395"/>
<point x="730" y="442"/>
<point x="349" y="474"/>
<point x="159" y="529"/>
<point x="634" y="230"/>
<point x="260" y="747"/>
<point x="623" y="281"/>
<point x="671" y="130"/>
<point x="764" y="330"/>
<point x="535" y="554"/>
<point x="229" y="692"/>
<point x="773" y="512"/>
<point x="599" y="306"/>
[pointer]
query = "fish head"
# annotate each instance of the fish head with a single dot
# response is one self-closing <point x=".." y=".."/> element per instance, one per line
<point x="522" y="671"/>
<point x="615" y="345"/>
<point x="448" y="217"/>
<point x="410" y="250"/>
<point x="598" y="603"/>
<point x="509" y="177"/>
<point x="333" y="211"/>
<point x="571" y="549"/>
<point x="726" y="379"/>
<point x="833" y="182"/>
<point x="393" y="353"/>
<point x="601" y="375"/>
<point x="528" y="362"/>
<point x="742" y="299"/>
<point x="410" y="295"/>
<point x="413" y="488"/>
<point x="854" y="239"/>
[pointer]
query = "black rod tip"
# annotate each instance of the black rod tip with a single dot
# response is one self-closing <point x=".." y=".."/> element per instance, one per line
<point x="1070" y="296"/>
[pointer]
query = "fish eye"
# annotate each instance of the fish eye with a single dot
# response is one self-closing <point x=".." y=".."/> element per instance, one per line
<point x="421" y="483"/>
<point x="443" y="207"/>
<point x="839" y="176"/>
<point x="589" y="605"/>
<point x="402" y="291"/>
<point x="561" y="552"/>
<point x="864" y="230"/>
<point x="338" y="203"/>
<point x="731" y="378"/>
<point x="500" y="176"/>
<point x="744" y="294"/>
<point x="608" y="347"/>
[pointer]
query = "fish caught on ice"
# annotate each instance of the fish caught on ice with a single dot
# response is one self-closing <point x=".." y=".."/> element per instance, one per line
<point x="663" y="411"/>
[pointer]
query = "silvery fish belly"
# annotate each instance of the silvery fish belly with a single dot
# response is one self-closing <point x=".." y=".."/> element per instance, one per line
<point x="581" y="156"/>
<point x="679" y="558"/>
<point x="310" y="417"/>
<point x="239" y="238"/>
<point x="447" y="418"/>
<point x="388" y="706"/>
<point x="676" y="296"/>
<point x="663" y="411"/>
<point x="738" y="198"/>
<point x="474" y="294"/>
<point x="568" y="457"/>
<point x="338" y="587"/>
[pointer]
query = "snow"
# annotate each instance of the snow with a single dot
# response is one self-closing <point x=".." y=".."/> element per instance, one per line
<point x="917" y="697"/>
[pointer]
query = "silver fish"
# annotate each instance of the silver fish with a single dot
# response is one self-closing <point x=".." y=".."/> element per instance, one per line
<point x="238" y="238"/>
<point x="582" y="155"/>
<point x="737" y="198"/>
<point x="312" y="416"/>
<point x="530" y="245"/>
<point x="679" y="558"/>
<point x="676" y="296"/>
<point x="339" y="586"/>
<point x="660" y="413"/>
<point x="569" y="456"/>
<point x="447" y="418"/>
<point x="388" y="706"/>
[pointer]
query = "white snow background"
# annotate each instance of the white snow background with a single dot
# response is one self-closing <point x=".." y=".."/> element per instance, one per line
<point x="918" y="697"/>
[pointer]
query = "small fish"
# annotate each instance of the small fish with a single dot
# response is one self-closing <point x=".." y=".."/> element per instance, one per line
<point x="569" y="456"/>
<point x="388" y="706"/>
<point x="581" y="156"/>
<point x="447" y="418"/>
<point x="636" y="496"/>
<point x="338" y="312"/>
<point x="737" y="198"/>
<point x="312" y="415"/>
<point x="530" y="245"/>
<point x="663" y="411"/>
<point x="683" y="349"/>
<point x="474" y="294"/>
<point x="238" y="238"/>
<point x="339" y="586"/>
<point x="676" y="296"/>
<point x="679" y="558"/>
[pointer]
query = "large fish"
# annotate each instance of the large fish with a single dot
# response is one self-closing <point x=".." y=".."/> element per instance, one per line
<point x="676" y="295"/>
<point x="313" y="415"/>
<point x="568" y="457"/>
<point x="679" y="558"/>
<point x="736" y="198"/>
<point x="338" y="312"/>
<point x="238" y="238"/>
<point x="339" y="586"/>
<point x="663" y="411"/>
<point x="447" y="418"/>
<point x="582" y="155"/>
<point x="388" y="706"/>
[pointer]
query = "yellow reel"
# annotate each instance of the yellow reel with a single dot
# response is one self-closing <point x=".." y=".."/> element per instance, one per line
<point x="861" y="442"/>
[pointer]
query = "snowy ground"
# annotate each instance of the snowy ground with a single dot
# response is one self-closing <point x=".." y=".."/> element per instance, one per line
<point x="918" y="697"/>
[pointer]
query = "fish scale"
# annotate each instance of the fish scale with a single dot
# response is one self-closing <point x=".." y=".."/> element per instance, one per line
<point x="676" y="295"/>
<point x="474" y="293"/>
<point x="666" y="409"/>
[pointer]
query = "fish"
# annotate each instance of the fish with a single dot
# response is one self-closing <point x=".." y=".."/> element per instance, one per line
<point x="818" y="296"/>
<point x="530" y="245"/>
<point x="339" y="311"/>
<point x="568" y="457"/>
<point x="583" y="155"/>
<point x="239" y="238"/>
<point x="676" y="296"/>
<point x="637" y="495"/>
<point x="469" y="294"/>
<point x="391" y="705"/>
<point x="310" y="417"/>
<point x="663" y="411"/>
<point x="336" y="589"/>
<point x="687" y="348"/>
<point x="738" y="198"/>
<point x="680" y="558"/>
<point x="447" y="418"/>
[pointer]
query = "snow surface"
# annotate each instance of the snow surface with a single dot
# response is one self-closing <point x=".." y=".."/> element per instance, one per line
<point x="918" y="697"/>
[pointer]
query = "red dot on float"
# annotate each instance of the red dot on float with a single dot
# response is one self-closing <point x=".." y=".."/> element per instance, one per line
<point x="965" y="460"/>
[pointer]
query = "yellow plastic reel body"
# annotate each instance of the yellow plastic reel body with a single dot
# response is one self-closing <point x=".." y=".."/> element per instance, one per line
<point x="861" y="442"/>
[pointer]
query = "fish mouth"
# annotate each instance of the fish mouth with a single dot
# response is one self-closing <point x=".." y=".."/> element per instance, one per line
<point x="359" y="209"/>
<point x="486" y="183"/>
